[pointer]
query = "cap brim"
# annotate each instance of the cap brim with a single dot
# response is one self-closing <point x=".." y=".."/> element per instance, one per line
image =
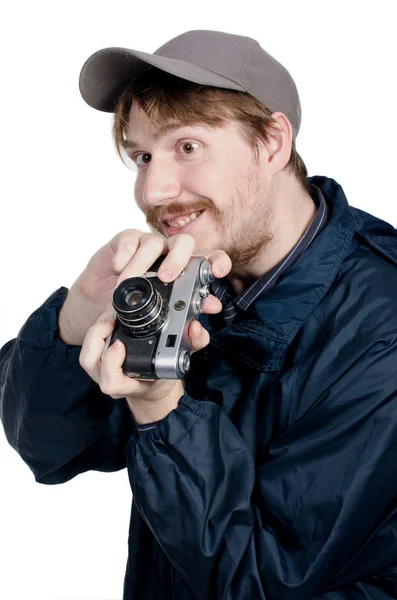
<point x="108" y="72"/>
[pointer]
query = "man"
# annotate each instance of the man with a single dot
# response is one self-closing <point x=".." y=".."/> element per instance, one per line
<point x="270" y="473"/>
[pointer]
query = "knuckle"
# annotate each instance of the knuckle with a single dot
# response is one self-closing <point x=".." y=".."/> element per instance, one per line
<point x="83" y="361"/>
<point x="130" y="233"/>
<point x="155" y="241"/>
<point x="105" y="389"/>
<point x="124" y="251"/>
<point x="128" y="247"/>
<point x="119" y="239"/>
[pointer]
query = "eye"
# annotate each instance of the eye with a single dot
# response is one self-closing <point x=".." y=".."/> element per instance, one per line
<point x="142" y="159"/>
<point x="188" y="147"/>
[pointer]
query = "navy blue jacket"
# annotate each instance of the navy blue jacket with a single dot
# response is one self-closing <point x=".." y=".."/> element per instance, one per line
<point x="276" y="476"/>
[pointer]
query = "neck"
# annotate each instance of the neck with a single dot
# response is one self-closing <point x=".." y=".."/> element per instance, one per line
<point x="293" y="210"/>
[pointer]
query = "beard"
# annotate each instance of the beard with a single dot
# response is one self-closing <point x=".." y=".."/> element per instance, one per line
<point x="243" y="227"/>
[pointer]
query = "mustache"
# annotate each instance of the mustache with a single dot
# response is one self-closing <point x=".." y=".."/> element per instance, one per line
<point x="157" y="213"/>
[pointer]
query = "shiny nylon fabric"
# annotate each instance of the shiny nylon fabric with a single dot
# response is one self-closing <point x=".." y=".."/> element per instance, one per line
<point x="275" y="478"/>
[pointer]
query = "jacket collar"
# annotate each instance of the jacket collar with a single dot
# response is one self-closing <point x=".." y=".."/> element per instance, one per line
<point x="261" y="336"/>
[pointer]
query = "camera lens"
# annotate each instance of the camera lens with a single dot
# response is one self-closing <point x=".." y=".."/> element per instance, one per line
<point x="140" y="308"/>
<point x="133" y="298"/>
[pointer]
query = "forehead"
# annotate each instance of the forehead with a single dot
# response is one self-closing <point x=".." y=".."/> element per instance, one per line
<point x="140" y="126"/>
<point x="138" y="120"/>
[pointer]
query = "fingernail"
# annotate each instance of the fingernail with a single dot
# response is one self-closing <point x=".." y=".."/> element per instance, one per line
<point x="219" y="272"/>
<point x="166" y="274"/>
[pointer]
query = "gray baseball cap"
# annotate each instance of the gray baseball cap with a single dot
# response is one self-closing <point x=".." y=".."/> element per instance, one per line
<point x="213" y="58"/>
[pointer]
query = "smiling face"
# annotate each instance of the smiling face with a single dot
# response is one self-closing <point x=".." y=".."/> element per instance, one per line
<point x="186" y="169"/>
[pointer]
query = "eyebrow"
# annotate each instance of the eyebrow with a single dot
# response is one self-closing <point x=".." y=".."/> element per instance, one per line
<point x="161" y="132"/>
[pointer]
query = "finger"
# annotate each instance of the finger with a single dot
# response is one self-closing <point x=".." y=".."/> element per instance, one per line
<point x="212" y="305"/>
<point x="94" y="343"/>
<point x="199" y="337"/>
<point x="125" y="245"/>
<point x="135" y="256"/>
<point x="180" y="250"/>
<point x="220" y="263"/>
<point x="112" y="380"/>
<point x="111" y="376"/>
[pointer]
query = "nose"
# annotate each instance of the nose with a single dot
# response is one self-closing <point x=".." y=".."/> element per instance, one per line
<point x="162" y="182"/>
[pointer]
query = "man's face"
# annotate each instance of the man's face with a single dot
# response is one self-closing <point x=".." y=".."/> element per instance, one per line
<point x="198" y="168"/>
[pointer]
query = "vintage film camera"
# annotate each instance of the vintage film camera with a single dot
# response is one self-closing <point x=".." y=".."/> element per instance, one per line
<point x="153" y="317"/>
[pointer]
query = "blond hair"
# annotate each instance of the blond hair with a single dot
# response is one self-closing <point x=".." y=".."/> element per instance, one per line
<point x="166" y="97"/>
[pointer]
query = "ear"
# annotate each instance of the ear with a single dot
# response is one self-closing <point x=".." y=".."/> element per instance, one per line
<point x="279" y="146"/>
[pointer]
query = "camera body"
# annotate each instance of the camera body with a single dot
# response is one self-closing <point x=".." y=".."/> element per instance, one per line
<point x="153" y="318"/>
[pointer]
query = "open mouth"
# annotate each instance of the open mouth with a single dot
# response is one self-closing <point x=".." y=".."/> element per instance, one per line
<point x="183" y="225"/>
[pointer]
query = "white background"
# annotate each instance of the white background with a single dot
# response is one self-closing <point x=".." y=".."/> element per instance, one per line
<point x="64" y="194"/>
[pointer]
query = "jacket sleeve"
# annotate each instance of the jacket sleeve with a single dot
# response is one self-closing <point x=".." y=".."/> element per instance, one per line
<point x="54" y="415"/>
<point x="315" y="517"/>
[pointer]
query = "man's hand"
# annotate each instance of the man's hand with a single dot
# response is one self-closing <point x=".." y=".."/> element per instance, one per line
<point x="129" y="254"/>
<point x="148" y="400"/>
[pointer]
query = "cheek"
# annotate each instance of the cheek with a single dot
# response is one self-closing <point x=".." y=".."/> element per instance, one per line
<point x="207" y="180"/>
<point x="138" y="192"/>
<point x="226" y="173"/>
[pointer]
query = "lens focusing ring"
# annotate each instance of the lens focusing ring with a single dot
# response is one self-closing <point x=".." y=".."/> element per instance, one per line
<point x="148" y="315"/>
<point x="148" y="325"/>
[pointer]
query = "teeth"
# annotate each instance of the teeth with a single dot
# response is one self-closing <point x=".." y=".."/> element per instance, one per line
<point x="182" y="222"/>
